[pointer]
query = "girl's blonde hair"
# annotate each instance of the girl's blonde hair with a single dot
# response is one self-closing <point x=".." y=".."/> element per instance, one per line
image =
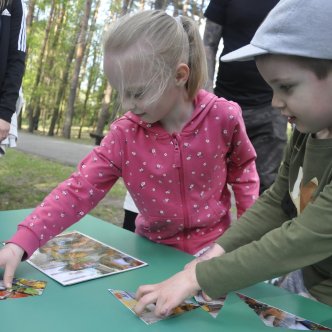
<point x="161" y="41"/>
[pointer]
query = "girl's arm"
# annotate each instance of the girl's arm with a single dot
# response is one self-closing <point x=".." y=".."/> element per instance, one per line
<point x="72" y="199"/>
<point x="241" y="167"/>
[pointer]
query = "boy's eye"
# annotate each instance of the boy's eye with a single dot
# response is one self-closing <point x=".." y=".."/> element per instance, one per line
<point x="285" y="87"/>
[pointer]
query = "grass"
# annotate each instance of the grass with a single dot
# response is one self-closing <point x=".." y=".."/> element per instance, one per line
<point x="25" y="180"/>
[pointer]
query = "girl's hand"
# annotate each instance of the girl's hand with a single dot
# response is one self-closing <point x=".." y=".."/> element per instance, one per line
<point x="214" y="251"/>
<point x="10" y="257"/>
<point x="168" y="294"/>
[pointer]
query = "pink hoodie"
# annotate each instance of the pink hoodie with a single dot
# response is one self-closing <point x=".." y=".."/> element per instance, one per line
<point x="178" y="181"/>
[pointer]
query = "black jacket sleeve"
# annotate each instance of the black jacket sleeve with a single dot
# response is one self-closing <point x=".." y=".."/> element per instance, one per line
<point x="12" y="56"/>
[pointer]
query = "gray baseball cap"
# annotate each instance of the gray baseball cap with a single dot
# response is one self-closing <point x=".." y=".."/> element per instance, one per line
<point x="293" y="27"/>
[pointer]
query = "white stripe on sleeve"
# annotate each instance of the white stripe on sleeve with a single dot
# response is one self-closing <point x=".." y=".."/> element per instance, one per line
<point x="22" y="36"/>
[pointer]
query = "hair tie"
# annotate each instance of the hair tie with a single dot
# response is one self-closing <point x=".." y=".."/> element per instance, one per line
<point x="178" y="19"/>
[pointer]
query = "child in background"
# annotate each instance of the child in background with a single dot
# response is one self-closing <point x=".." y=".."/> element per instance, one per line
<point x="289" y="228"/>
<point x="176" y="148"/>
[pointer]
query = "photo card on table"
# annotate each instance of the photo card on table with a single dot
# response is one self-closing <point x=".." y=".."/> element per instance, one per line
<point x="70" y="258"/>
<point x="275" y="317"/>
<point x="148" y="316"/>
<point x="22" y="288"/>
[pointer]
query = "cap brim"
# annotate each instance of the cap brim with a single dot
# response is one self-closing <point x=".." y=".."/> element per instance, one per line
<point x="244" y="53"/>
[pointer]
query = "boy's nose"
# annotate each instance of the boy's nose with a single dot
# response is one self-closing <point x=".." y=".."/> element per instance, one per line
<point x="277" y="102"/>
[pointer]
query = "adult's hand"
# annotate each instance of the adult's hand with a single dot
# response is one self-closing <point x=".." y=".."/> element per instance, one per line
<point x="10" y="257"/>
<point x="168" y="294"/>
<point x="4" y="129"/>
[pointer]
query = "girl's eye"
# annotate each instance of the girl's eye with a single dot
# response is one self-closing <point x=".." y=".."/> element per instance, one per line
<point x="138" y="95"/>
<point x="134" y="95"/>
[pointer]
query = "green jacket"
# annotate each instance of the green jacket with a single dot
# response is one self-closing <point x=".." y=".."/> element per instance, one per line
<point x="289" y="227"/>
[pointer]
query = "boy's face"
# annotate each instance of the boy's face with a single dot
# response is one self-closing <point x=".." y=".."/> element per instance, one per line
<point x="299" y="94"/>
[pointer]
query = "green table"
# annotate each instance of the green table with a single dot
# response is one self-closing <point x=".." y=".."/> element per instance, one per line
<point x="88" y="306"/>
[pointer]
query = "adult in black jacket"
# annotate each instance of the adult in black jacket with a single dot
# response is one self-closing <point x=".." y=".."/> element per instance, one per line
<point x="12" y="59"/>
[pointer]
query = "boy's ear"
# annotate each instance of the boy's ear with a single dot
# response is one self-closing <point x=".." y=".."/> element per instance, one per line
<point x="182" y="74"/>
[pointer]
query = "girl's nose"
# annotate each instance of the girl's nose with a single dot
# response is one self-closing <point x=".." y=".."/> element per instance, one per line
<point x="129" y="104"/>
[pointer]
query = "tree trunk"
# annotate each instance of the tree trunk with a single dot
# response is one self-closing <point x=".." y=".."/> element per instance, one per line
<point x="91" y="83"/>
<point x="104" y="114"/>
<point x="78" y="62"/>
<point x="125" y="5"/>
<point x="62" y="88"/>
<point x="34" y="101"/>
<point x="29" y="20"/>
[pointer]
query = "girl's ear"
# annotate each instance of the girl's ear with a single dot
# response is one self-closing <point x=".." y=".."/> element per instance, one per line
<point x="182" y="74"/>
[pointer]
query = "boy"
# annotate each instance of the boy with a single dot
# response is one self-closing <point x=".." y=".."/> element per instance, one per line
<point x="290" y="226"/>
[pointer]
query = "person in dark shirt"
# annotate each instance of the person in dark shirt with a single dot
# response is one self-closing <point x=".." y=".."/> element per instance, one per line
<point x="235" y="22"/>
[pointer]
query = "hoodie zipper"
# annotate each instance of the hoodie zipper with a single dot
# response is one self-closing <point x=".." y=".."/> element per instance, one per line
<point x="178" y="163"/>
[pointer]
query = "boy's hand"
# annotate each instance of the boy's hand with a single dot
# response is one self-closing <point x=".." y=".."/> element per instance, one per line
<point x="10" y="257"/>
<point x="168" y="294"/>
<point x="215" y="251"/>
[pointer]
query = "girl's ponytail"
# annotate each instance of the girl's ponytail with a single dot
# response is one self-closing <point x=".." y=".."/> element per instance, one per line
<point x="197" y="58"/>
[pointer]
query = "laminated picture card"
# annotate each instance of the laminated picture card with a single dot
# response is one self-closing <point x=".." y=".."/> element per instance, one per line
<point x="74" y="257"/>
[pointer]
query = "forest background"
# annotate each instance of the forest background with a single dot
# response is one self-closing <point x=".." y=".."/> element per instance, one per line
<point x="66" y="94"/>
<point x="65" y="91"/>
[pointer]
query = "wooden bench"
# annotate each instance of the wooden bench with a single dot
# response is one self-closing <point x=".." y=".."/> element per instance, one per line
<point x="98" y="138"/>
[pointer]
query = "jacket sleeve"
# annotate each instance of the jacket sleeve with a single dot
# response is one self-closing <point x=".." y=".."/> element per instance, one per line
<point x="295" y="244"/>
<point x="241" y="166"/>
<point x="265" y="215"/>
<point x="264" y="244"/>
<point x="72" y="199"/>
<point x="15" y="62"/>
